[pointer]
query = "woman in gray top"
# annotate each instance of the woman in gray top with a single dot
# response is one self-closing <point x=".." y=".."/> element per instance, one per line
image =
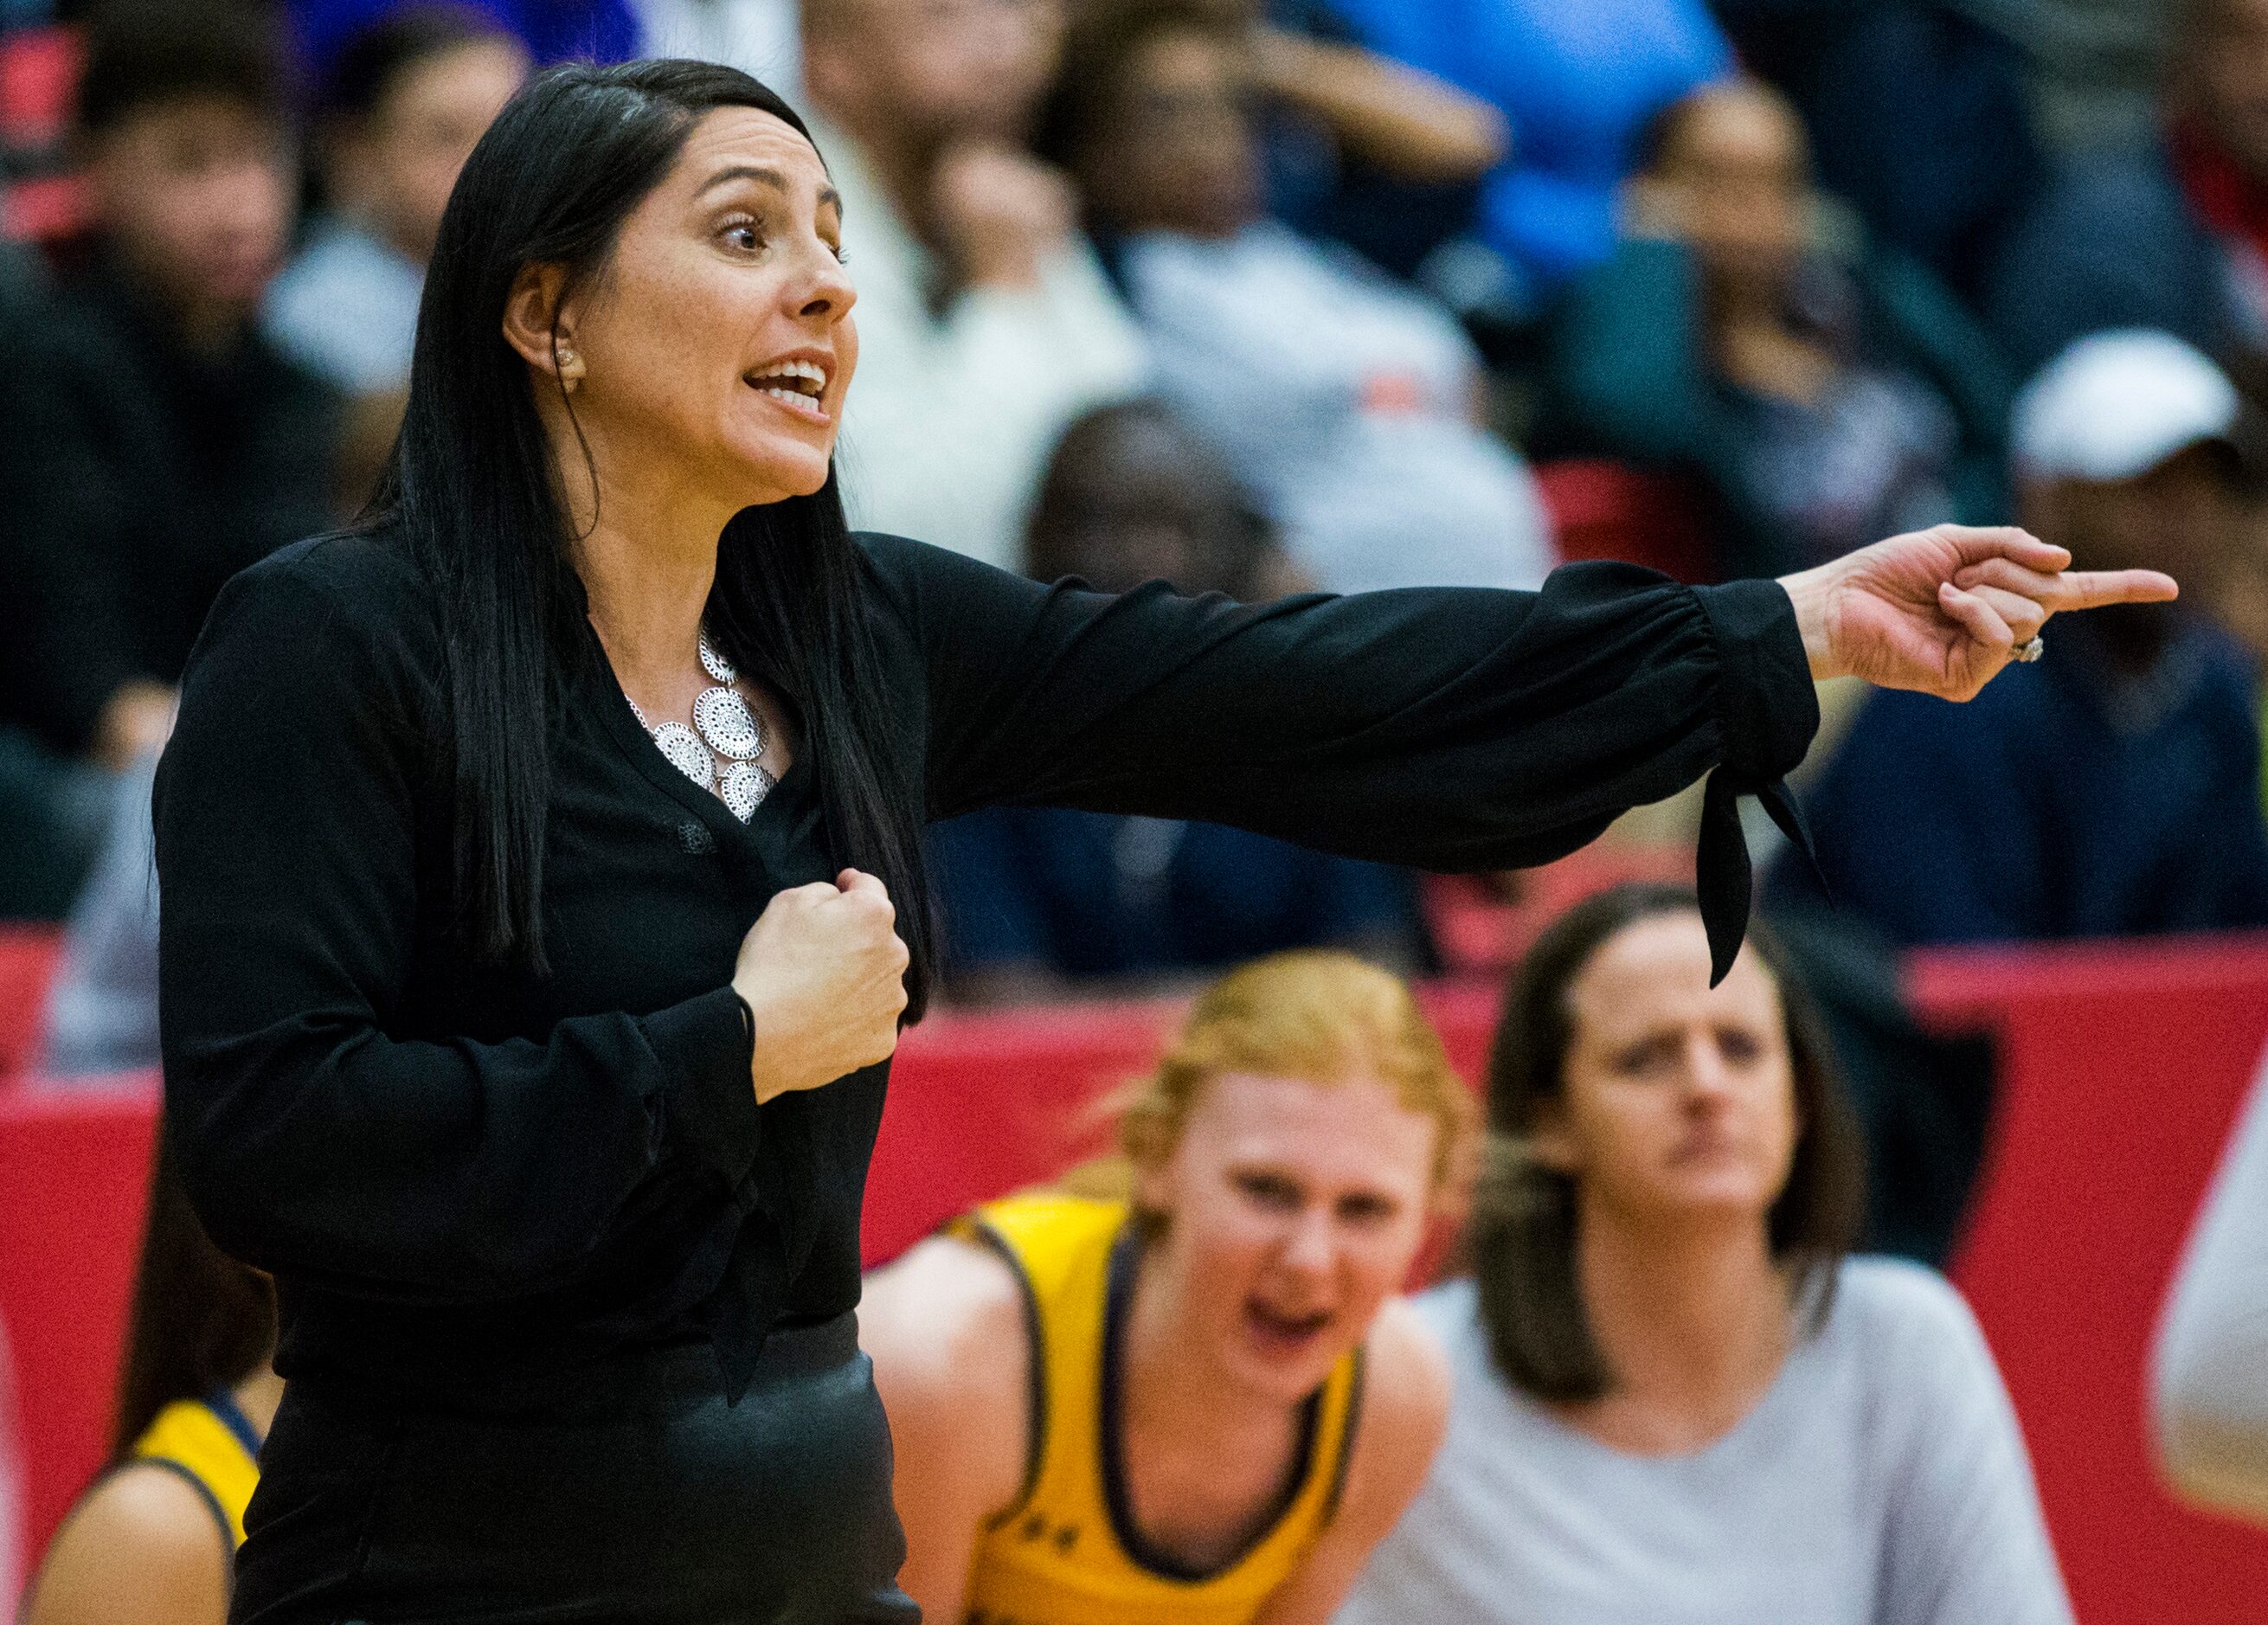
<point x="1675" y="1401"/>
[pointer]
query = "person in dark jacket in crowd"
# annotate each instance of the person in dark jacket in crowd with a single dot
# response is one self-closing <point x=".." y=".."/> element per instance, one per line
<point x="1577" y="84"/>
<point x="1821" y="388"/>
<point x="2113" y="788"/>
<point x="146" y="389"/>
<point x="2171" y="234"/>
<point x="1038" y="899"/>
<point x="1947" y="189"/>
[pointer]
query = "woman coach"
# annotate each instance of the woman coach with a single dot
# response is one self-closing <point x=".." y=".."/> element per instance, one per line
<point x="529" y="854"/>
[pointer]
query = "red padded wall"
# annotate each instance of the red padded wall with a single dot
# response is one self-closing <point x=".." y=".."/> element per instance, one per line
<point x="73" y="1169"/>
<point x="2122" y="1074"/>
<point x="2123" y="1068"/>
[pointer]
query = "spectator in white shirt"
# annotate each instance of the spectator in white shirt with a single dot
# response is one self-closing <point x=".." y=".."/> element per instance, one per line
<point x="1351" y="406"/>
<point x="984" y="324"/>
<point x="409" y="95"/>
<point x="761" y="38"/>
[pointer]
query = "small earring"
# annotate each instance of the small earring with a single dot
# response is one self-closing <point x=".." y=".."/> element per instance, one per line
<point x="571" y="370"/>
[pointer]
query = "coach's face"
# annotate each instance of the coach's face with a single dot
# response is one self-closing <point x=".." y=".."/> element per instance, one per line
<point x="714" y="351"/>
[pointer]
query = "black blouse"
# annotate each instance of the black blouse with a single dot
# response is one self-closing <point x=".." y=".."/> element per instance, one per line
<point x="472" y="1184"/>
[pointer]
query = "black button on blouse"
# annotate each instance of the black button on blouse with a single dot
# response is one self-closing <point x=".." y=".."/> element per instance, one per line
<point x="473" y="1185"/>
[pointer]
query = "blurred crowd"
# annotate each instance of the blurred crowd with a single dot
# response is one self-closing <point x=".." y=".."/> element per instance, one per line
<point x="1257" y="297"/>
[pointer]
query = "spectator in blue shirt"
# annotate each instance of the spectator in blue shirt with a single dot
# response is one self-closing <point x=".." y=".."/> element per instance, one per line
<point x="2113" y="787"/>
<point x="553" y="31"/>
<point x="1036" y="898"/>
<point x="1577" y="84"/>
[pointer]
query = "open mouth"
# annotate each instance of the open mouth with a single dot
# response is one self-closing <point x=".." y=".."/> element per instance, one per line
<point x="795" y="384"/>
<point x="1279" y="1334"/>
<point x="1706" y="1150"/>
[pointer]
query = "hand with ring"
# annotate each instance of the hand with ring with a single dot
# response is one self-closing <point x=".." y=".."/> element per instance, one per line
<point x="1943" y="610"/>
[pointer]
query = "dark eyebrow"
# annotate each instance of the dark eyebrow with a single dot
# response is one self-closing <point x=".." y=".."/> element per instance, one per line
<point x="829" y="197"/>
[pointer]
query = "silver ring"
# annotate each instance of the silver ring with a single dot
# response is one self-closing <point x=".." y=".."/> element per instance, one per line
<point x="2026" y="653"/>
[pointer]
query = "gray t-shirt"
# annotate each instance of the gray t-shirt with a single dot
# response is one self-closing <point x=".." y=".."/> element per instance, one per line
<point x="1880" y="1481"/>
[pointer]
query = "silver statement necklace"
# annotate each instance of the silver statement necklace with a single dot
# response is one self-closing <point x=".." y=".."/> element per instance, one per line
<point x="728" y="730"/>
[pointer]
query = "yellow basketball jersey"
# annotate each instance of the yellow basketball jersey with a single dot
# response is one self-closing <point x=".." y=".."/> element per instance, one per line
<point x="211" y="1443"/>
<point x="1065" y="1551"/>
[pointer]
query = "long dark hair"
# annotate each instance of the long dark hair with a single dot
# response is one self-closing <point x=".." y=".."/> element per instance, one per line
<point x="202" y="1321"/>
<point x="1522" y="1238"/>
<point x="472" y="483"/>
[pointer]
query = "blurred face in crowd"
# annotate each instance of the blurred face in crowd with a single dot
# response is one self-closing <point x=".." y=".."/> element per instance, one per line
<point x="1733" y="176"/>
<point x="938" y="70"/>
<point x="2224" y="77"/>
<point x="2177" y="517"/>
<point x="1292" y="1211"/>
<point x="195" y="197"/>
<point x="1173" y="150"/>
<point x="1678" y="1107"/>
<point x="716" y="346"/>
<point x="397" y="170"/>
<point x="1135" y="510"/>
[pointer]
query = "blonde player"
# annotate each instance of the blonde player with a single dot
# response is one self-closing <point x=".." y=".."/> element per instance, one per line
<point x="1201" y="1404"/>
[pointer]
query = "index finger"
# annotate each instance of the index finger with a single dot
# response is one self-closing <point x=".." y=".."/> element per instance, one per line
<point x="2091" y="589"/>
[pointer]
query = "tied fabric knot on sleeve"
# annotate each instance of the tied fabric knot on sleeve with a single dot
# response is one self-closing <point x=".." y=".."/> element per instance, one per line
<point x="1764" y="743"/>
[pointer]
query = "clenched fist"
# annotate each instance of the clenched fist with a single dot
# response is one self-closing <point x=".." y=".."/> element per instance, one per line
<point x="824" y="972"/>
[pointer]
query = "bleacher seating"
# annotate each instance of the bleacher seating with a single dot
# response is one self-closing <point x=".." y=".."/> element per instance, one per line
<point x="41" y="198"/>
<point x="27" y="962"/>
<point x="1601" y="509"/>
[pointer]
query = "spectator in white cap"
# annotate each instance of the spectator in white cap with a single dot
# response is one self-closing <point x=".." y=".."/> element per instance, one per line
<point x="2113" y="788"/>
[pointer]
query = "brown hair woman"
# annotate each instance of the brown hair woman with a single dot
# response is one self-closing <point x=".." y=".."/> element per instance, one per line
<point x="1676" y="1399"/>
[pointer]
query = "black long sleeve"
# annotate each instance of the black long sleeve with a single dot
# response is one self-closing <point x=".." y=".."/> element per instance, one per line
<point x="1449" y="729"/>
<point x="461" y="1174"/>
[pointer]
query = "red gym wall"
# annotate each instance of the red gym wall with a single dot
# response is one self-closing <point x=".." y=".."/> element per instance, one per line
<point x="2123" y="1070"/>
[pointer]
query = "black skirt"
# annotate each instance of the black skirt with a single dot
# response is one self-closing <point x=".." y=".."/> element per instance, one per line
<point x="643" y="1497"/>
